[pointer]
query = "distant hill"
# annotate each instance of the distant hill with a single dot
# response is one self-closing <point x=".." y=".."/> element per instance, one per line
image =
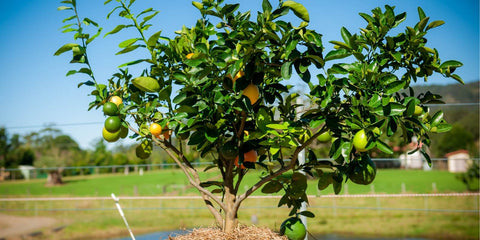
<point x="453" y="93"/>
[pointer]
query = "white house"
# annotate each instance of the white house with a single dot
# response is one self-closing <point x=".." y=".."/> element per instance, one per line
<point x="458" y="161"/>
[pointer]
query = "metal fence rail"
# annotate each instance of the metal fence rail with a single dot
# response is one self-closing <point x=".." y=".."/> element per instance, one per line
<point x="29" y="207"/>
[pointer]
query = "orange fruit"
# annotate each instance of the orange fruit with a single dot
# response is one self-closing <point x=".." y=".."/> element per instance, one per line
<point x="252" y="93"/>
<point x="189" y="56"/>
<point x="116" y="99"/>
<point x="250" y="156"/>
<point x="155" y="129"/>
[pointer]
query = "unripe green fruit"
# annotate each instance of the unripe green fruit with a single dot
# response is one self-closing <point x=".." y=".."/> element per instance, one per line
<point x="360" y="141"/>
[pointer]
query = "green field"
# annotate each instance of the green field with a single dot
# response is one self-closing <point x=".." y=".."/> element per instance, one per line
<point x="173" y="182"/>
<point x="426" y="217"/>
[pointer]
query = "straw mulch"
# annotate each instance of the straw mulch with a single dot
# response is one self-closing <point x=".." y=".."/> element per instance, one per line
<point x="241" y="233"/>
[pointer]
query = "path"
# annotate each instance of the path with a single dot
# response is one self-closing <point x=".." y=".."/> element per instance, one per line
<point x="13" y="227"/>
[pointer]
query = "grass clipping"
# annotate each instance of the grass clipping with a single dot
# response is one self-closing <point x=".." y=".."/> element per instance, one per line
<point x="241" y="233"/>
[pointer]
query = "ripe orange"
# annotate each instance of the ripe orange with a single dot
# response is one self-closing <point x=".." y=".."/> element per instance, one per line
<point x="360" y="141"/>
<point x="189" y="56"/>
<point x="155" y="129"/>
<point x="116" y="99"/>
<point x="250" y="156"/>
<point x="252" y="93"/>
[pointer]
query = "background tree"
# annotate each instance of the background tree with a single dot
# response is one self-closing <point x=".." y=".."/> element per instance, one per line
<point x="53" y="150"/>
<point x="234" y="103"/>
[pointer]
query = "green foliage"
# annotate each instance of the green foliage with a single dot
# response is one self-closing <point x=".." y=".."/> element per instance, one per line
<point x="211" y="107"/>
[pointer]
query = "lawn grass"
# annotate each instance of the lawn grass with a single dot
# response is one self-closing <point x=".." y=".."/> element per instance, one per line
<point x="429" y="217"/>
<point x="173" y="182"/>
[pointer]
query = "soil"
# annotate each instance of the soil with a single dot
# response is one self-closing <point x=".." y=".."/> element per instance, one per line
<point x="241" y="233"/>
<point x="16" y="227"/>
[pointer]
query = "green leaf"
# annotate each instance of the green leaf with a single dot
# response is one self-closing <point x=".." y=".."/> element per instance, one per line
<point x="266" y="6"/>
<point x="437" y="118"/>
<point x="61" y="8"/>
<point x="128" y="49"/>
<point x="286" y="70"/>
<point x="435" y="24"/>
<point x="146" y="84"/>
<point x="298" y="9"/>
<point x="198" y="5"/>
<point x="421" y="13"/>
<point x="127" y="42"/>
<point x="384" y="147"/>
<point x="278" y="126"/>
<point x="443" y="127"/>
<point x="65" y="48"/>
<point x="427" y="157"/>
<point x="337" y="54"/>
<point x="451" y="63"/>
<point x="458" y="78"/>
<point x="152" y="40"/>
<point x="340" y="44"/>
<point x="272" y="187"/>
<point x="115" y="30"/>
<point x="394" y="87"/>
<point x="346" y="35"/>
<point x="307" y="214"/>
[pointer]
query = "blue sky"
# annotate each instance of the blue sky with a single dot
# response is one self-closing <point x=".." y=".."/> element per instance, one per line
<point x="34" y="91"/>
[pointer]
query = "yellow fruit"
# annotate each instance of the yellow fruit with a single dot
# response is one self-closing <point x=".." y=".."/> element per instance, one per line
<point x="155" y="129"/>
<point x="189" y="56"/>
<point x="360" y="141"/>
<point x="111" y="136"/>
<point x="418" y="110"/>
<point x="252" y="93"/>
<point x="250" y="156"/>
<point x="116" y="99"/>
<point x="238" y="75"/>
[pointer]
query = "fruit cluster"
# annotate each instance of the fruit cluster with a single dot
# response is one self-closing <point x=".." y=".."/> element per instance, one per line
<point x="113" y="128"/>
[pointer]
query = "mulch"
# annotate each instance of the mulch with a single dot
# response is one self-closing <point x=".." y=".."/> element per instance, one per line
<point x="241" y="233"/>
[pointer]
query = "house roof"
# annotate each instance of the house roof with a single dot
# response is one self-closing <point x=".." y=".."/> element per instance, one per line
<point x="456" y="152"/>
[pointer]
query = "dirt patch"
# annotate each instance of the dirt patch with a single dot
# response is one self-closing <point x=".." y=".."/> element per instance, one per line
<point x="14" y="227"/>
<point x="241" y="233"/>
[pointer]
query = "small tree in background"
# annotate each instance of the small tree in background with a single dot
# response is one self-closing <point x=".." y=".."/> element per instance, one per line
<point x="235" y="105"/>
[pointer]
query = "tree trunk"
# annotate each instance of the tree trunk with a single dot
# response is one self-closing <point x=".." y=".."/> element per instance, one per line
<point x="231" y="218"/>
<point x="54" y="178"/>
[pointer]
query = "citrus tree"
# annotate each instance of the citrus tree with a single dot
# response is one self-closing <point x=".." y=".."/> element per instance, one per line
<point x="221" y="86"/>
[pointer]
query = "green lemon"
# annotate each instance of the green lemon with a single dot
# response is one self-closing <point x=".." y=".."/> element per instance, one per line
<point x="110" y="109"/>
<point x="113" y="123"/>
<point x="293" y="228"/>
<point x="360" y="141"/>
<point x="123" y="132"/>
<point x="324" y="137"/>
<point x="365" y="172"/>
<point x="229" y="150"/>
<point x="144" y="150"/>
<point x="111" y="136"/>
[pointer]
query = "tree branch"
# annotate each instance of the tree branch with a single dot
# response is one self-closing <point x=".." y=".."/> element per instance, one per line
<point x="279" y="171"/>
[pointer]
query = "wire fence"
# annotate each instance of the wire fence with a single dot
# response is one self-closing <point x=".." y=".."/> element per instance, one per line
<point x="428" y="202"/>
